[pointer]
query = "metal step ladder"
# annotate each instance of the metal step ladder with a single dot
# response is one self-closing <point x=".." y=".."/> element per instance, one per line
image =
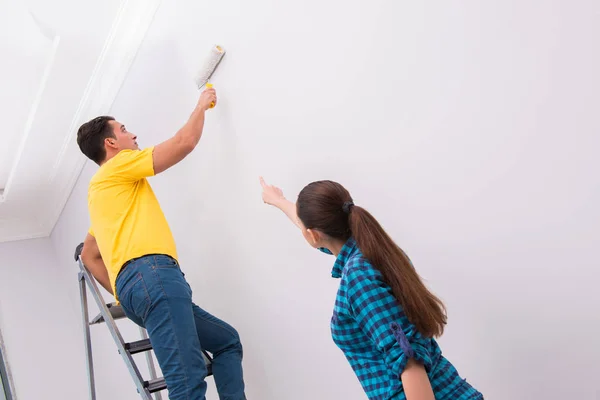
<point x="108" y="314"/>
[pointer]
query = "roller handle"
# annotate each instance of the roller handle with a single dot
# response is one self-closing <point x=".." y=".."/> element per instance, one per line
<point x="208" y="86"/>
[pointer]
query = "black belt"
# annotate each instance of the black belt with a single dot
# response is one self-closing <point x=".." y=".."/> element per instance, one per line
<point x="138" y="258"/>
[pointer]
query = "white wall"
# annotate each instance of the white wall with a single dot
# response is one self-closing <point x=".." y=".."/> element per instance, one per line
<point x="469" y="129"/>
<point x="40" y="323"/>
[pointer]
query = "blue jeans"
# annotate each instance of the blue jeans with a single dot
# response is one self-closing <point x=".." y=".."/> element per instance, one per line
<point x="155" y="295"/>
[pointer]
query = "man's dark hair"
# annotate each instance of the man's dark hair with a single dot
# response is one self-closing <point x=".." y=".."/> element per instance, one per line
<point x="91" y="136"/>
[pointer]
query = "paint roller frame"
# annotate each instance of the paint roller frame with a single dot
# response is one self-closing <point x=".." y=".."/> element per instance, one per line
<point x="210" y="66"/>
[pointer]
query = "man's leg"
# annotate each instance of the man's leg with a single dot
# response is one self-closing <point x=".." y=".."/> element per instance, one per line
<point x="155" y="291"/>
<point x="223" y="341"/>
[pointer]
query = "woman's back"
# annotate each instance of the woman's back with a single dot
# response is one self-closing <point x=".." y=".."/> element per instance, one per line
<point x="372" y="330"/>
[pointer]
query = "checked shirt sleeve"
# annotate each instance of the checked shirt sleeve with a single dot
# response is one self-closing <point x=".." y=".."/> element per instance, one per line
<point x="381" y="318"/>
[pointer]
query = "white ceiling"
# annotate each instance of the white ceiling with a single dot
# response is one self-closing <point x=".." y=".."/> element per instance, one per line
<point x="63" y="62"/>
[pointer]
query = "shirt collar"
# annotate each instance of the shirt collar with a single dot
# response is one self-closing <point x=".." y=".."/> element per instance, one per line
<point x="347" y="251"/>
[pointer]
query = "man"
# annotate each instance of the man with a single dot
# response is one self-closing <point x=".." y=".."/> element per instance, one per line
<point x="131" y="252"/>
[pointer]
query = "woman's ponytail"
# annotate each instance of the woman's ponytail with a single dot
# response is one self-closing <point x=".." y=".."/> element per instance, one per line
<point x="422" y="308"/>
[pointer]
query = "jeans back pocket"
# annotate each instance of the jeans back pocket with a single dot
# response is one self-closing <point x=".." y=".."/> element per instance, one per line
<point x="135" y="298"/>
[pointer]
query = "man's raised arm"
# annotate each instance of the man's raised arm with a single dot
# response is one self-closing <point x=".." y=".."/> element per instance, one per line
<point x="175" y="149"/>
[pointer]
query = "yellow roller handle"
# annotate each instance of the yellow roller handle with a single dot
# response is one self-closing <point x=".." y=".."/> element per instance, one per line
<point x="208" y="86"/>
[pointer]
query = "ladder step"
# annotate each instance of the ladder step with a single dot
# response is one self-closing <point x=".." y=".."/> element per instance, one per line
<point x="139" y="346"/>
<point x="155" y="385"/>
<point x="142" y="345"/>
<point x="115" y="311"/>
<point x="158" y="384"/>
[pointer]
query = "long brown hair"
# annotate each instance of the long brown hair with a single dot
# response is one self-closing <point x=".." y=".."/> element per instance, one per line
<point x="327" y="207"/>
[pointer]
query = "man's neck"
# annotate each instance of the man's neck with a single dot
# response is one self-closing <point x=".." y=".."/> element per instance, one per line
<point x="108" y="157"/>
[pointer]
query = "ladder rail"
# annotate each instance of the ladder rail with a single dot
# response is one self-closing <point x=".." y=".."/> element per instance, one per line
<point x="87" y="337"/>
<point x="149" y="359"/>
<point x="114" y="331"/>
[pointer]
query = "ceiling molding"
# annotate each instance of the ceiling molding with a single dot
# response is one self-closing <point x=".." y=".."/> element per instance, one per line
<point x="126" y="36"/>
<point x="31" y="115"/>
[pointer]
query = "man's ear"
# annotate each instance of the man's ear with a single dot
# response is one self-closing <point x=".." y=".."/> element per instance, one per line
<point x="110" y="142"/>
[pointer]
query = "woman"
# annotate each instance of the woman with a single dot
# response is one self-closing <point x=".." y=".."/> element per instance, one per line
<point x="384" y="319"/>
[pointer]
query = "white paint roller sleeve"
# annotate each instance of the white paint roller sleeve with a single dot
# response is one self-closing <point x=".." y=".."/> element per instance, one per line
<point x="210" y="65"/>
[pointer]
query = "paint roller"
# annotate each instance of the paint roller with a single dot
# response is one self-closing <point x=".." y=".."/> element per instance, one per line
<point x="210" y="65"/>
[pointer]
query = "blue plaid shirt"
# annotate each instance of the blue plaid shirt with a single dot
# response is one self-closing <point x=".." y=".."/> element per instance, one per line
<point x="370" y="327"/>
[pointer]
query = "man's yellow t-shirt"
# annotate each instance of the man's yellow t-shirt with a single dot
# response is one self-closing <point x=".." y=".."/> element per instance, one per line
<point x="126" y="218"/>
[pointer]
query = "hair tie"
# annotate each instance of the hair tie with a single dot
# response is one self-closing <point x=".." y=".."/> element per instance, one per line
<point x="347" y="207"/>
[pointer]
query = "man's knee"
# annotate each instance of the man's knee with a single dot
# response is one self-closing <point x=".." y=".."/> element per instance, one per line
<point x="236" y="341"/>
<point x="234" y="344"/>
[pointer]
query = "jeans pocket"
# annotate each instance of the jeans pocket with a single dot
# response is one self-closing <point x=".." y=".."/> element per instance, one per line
<point x="135" y="298"/>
